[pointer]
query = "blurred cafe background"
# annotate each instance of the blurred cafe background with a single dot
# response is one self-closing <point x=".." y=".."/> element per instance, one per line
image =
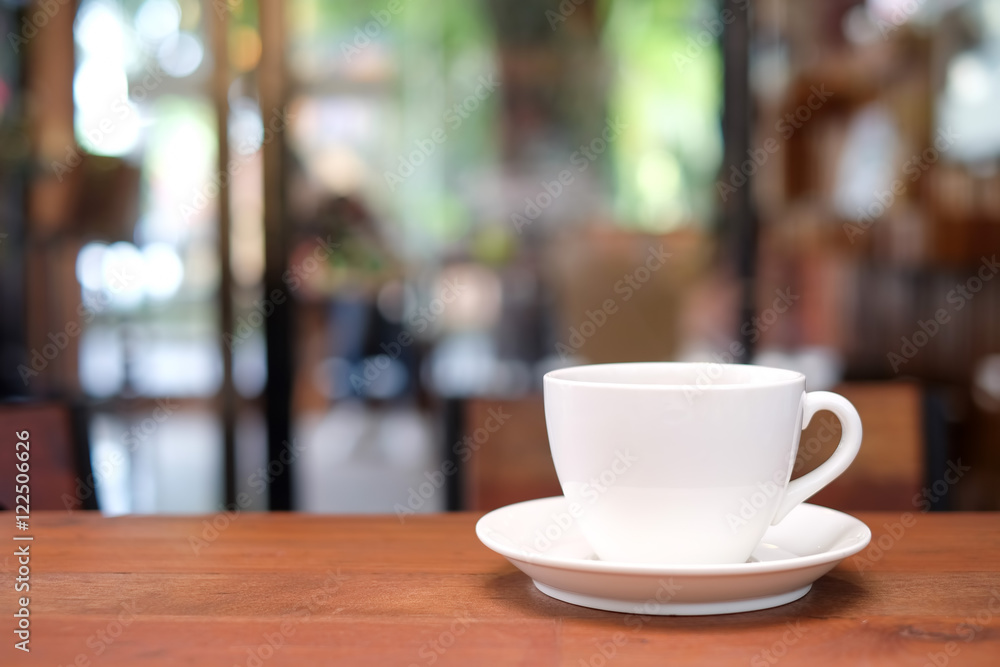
<point x="317" y="255"/>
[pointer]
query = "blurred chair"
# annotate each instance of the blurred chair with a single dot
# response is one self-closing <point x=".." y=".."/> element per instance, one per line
<point x="58" y="454"/>
<point x="511" y="464"/>
<point x="626" y="304"/>
<point x="890" y="468"/>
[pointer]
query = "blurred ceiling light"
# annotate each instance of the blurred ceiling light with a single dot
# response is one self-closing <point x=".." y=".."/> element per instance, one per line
<point x="969" y="78"/>
<point x="180" y="55"/>
<point x="99" y="30"/>
<point x="157" y="20"/>
<point x="123" y="274"/>
<point x="119" y="138"/>
<point x="88" y="265"/>
<point x="159" y="227"/>
<point x="107" y="122"/>
<point x="99" y="82"/>
<point x="244" y="48"/>
<point x="183" y="150"/>
<point x="164" y="271"/>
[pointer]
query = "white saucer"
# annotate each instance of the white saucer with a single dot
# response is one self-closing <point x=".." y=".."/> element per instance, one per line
<point x="541" y="540"/>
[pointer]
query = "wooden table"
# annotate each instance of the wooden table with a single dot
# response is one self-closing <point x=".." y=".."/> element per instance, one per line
<point x="289" y="589"/>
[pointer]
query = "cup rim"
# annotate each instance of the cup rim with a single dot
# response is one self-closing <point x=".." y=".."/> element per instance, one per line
<point x="781" y="376"/>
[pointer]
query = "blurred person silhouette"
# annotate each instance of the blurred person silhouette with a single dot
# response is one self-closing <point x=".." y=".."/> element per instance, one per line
<point x="365" y="284"/>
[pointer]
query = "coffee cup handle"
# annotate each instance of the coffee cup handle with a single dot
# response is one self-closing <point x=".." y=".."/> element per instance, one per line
<point x="800" y="489"/>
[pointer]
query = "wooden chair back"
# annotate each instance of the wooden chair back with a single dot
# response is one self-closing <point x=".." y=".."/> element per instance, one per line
<point x="57" y="455"/>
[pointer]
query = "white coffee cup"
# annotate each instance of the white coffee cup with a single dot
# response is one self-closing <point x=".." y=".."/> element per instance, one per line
<point x="685" y="463"/>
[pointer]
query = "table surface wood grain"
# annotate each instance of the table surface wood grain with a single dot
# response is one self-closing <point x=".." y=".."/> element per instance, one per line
<point x="296" y="589"/>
